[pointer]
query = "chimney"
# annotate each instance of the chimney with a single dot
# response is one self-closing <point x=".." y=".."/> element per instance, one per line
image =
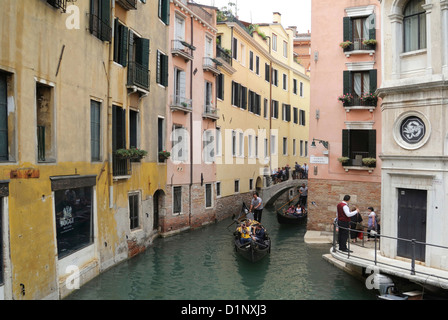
<point x="277" y="17"/>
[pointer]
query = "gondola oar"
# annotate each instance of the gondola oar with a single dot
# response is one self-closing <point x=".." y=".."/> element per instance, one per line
<point x="244" y="211"/>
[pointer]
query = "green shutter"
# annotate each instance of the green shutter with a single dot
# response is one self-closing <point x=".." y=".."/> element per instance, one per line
<point x="124" y="46"/>
<point x="164" y="60"/>
<point x="105" y="12"/>
<point x="372" y="143"/>
<point x="348" y="32"/>
<point x="142" y="54"/>
<point x="165" y="11"/>
<point x="372" y="30"/>
<point x="347" y="82"/>
<point x="373" y="80"/>
<point x="346" y="143"/>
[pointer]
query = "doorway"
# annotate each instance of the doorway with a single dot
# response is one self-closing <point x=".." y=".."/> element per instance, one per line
<point x="411" y="222"/>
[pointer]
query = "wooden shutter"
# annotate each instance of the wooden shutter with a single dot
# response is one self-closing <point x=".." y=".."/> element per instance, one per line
<point x="3" y="118"/>
<point x="372" y="30"/>
<point x="347" y="83"/>
<point x="243" y="98"/>
<point x="124" y="35"/>
<point x="164" y="11"/>
<point x="105" y="18"/>
<point x="373" y="80"/>
<point x="372" y="143"/>
<point x="164" y="70"/>
<point x="348" y="31"/>
<point x="142" y="54"/>
<point x="346" y="143"/>
<point x="267" y="72"/>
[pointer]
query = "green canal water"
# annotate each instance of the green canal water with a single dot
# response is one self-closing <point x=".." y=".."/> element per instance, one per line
<point x="202" y="265"/>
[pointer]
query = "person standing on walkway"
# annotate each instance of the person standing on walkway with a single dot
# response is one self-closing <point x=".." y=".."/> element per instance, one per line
<point x="303" y="191"/>
<point x="344" y="216"/>
<point x="256" y="206"/>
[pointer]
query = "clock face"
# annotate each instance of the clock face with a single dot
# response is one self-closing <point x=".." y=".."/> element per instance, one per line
<point x="412" y="130"/>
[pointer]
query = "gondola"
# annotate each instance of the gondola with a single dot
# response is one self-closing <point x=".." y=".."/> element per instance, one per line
<point x="287" y="218"/>
<point x="255" y="250"/>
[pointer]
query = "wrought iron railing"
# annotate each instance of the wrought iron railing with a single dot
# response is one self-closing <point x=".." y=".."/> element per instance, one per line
<point x="183" y="48"/>
<point x="121" y="166"/>
<point x="210" y="111"/>
<point x="356" y="101"/>
<point x="138" y="75"/>
<point x="178" y="101"/>
<point x="222" y="53"/>
<point x="128" y="4"/>
<point x="60" y="4"/>
<point x="376" y="236"/>
<point x="99" y="28"/>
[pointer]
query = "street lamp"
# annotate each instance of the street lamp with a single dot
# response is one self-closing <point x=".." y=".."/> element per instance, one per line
<point x="323" y="142"/>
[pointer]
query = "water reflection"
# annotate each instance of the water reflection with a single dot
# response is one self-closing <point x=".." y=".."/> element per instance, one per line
<point x="203" y="264"/>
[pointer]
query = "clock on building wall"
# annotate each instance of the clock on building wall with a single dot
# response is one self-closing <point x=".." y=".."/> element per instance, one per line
<point x="412" y="130"/>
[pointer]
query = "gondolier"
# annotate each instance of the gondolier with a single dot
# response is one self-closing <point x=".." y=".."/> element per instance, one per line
<point x="256" y="206"/>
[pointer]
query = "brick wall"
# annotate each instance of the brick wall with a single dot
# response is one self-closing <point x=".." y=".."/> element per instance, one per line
<point x="328" y="193"/>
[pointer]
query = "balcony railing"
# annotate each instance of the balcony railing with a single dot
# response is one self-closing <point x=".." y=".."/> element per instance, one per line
<point x="210" y="64"/>
<point x="138" y="75"/>
<point x="223" y="54"/>
<point x="183" y="49"/>
<point x="359" y="45"/>
<point x="181" y="104"/>
<point x="121" y="167"/>
<point x="210" y="112"/>
<point x="128" y="4"/>
<point x="358" y="102"/>
<point x="99" y="28"/>
<point x="60" y="4"/>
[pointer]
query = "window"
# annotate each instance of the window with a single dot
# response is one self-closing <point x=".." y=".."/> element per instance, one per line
<point x="294" y="151"/>
<point x="241" y="144"/>
<point x="208" y="195"/>
<point x="180" y="90"/>
<point x="220" y="86"/>
<point x="162" y="69"/>
<point x="134" y="210"/>
<point x="235" y="49"/>
<point x="74" y="219"/>
<point x="301" y="89"/>
<point x="285" y="49"/>
<point x="121" y="43"/>
<point x="295" y="115"/>
<point x="294" y="86"/>
<point x="134" y="129"/>
<point x="359" y="83"/>
<point x="274" y="42"/>
<point x="306" y="148"/>
<point x="95" y="130"/>
<point x="285" y="146"/>
<point x="138" y="62"/>
<point x="301" y="148"/>
<point x="265" y="108"/>
<point x="286" y="112"/>
<point x="266" y="154"/>
<point x="275" y="77"/>
<point x="302" y="120"/>
<point x="45" y="123"/>
<point x="273" y="144"/>
<point x="233" y="143"/>
<point x="285" y="82"/>
<point x="164" y="11"/>
<point x="180" y="142"/>
<point x="251" y="60"/>
<point x="358" y="144"/>
<point x="239" y="95"/>
<point x="218" y="142"/>
<point x="267" y="72"/>
<point x="251" y="184"/>
<point x="179" y="32"/>
<point x="237" y="186"/>
<point x="414" y="22"/>
<point x="257" y="65"/>
<point x="274" y="109"/>
<point x="218" y="189"/>
<point x="177" y="200"/>
<point x="250" y="148"/>
<point x="161" y="137"/>
<point x="357" y="29"/>
<point x="256" y="147"/>
<point x="120" y="166"/>
<point x="254" y="103"/>
<point x="209" y="146"/>
<point x="99" y="24"/>
<point x="208" y="97"/>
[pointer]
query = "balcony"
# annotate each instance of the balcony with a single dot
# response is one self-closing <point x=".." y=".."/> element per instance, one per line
<point x="225" y="58"/>
<point x="99" y="28"/>
<point x="138" y="77"/>
<point x="210" y="112"/>
<point x="59" y="4"/>
<point x="179" y="103"/>
<point x="211" y="65"/>
<point x="182" y="49"/>
<point x="356" y="103"/>
<point x="121" y="167"/>
<point x="358" y="47"/>
<point x="128" y="4"/>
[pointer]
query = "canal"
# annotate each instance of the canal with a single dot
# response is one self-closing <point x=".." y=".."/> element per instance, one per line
<point x="202" y="265"/>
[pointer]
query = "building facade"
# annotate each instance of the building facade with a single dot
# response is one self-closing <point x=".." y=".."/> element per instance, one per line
<point x="413" y="92"/>
<point x="191" y="117"/>
<point x="78" y="94"/>
<point x="263" y="99"/>
<point x="345" y="118"/>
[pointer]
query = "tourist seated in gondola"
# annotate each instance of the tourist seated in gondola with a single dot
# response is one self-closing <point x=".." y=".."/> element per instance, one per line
<point x="244" y="233"/>
<point x="291" y="209"/>
<point x="259" y="234"/>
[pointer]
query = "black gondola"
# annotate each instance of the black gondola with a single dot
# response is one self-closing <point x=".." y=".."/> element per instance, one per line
<point x="253" y="250"/>
<point x="284" y="217"/>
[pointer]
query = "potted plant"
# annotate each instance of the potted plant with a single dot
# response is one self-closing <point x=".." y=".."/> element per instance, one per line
<point x="369" y="162"/>
<point x="346" y="44"/>
<point x="163" y="155"/>
<point x="370" y="99"/>
<point x="346" y="98"/>
<point x="132" y="153"/>
<point x="344" y="160"/>
<point x="370" y="43"/>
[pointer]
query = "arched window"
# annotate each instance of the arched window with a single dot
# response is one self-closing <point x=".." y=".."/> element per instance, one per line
<point x="414" y="22"/>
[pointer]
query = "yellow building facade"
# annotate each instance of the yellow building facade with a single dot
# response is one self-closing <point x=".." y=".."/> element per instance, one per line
<point x="263" y="100"/>
<point x="74" y="89"/>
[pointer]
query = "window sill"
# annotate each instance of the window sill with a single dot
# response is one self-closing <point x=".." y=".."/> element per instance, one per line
<point x="358" y="52"/>
<point x="358" y="168"/>
<point x="413" y="53"/>
<point x="370" y="108"/>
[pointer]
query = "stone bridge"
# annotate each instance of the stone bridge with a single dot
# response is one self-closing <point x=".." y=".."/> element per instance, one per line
<point x="273" y="192"/>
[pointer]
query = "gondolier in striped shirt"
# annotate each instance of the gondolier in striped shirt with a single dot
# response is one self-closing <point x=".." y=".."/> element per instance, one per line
<point x="256" y="206"/>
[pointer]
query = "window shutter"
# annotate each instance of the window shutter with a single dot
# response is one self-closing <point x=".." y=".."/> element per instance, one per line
<point x="346" y="143"/>
<point x="105" y="18"/>
<point x="267" y="72"/>
<point x="348" y="33"/>
<point x="243" y="98"/>
<point x="142" y="54"/>
<point x="372" y="30"/>
<point x="165" y="11"/>
<point x="124" y="46"/>
<point x="373" y="80"/>
<point x="347" y="82"/>
<point x="372" y="143"/>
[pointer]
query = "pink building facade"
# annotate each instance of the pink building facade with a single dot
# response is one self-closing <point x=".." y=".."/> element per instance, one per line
<point x="191" y="117"/>
<point x="345" y="64"/>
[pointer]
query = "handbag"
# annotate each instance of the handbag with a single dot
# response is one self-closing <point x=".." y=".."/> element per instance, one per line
<point x="359" y="226"/>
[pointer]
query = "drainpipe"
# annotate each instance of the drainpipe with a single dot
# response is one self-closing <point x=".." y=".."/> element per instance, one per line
<point x="191" y="127"/>
<point x="110" y="110"/>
